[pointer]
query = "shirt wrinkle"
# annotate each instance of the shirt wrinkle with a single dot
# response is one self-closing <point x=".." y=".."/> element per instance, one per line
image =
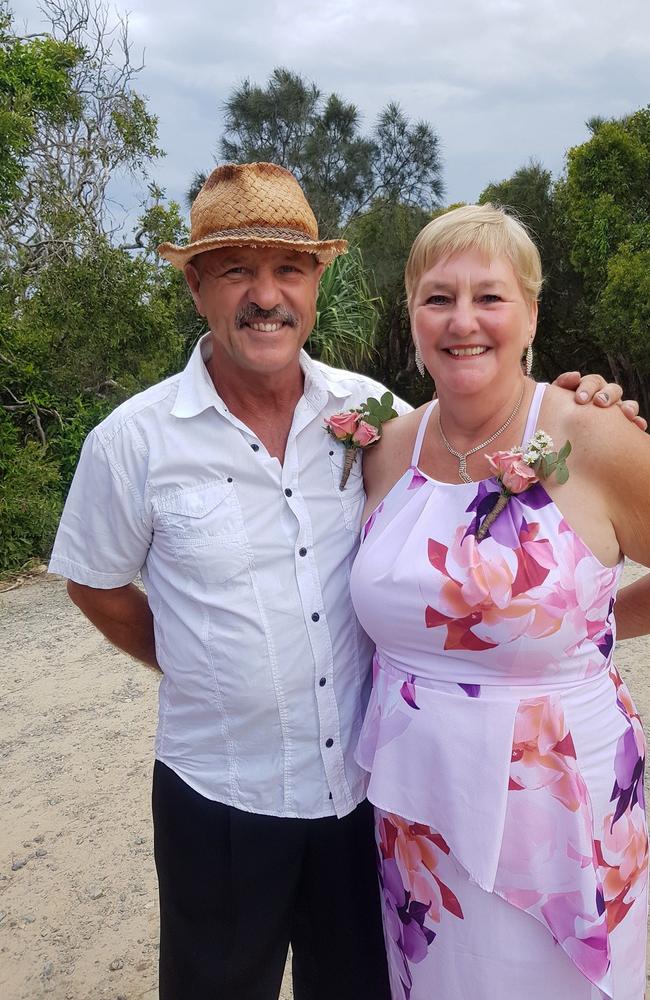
<point x="248" y="585"/>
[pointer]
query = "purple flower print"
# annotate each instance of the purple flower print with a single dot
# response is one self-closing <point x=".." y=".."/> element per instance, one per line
<point x="471" y="690"/>
<point x="629" y="762"/>
<point x="407" y="939"/>
<point x="417" y="479"/>
<point x="371" y="520"/>
<point x="506" y="529"/>
<point x="407" y="691"/>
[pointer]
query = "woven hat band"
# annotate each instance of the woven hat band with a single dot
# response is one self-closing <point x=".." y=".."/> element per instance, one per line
<point x="259" y="232"/>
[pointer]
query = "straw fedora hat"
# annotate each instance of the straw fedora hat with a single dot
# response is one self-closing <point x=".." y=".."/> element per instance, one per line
<point x="252" y="205"/>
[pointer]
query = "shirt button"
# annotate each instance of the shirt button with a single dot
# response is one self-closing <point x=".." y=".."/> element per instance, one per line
<point x="331" y="453"/>
<point x="255" y="447"/>
<point x="329" y="743"/>
<point x="229" y="480"/>
<point x="302" y="552"/>
<point x="288" y="492"/>
<point x="323" y="681"/>
<point x="315" y="617"/>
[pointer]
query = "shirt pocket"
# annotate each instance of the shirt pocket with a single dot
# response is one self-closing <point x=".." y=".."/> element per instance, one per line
<point x="203" y="529"/>
<point x="353" y="497"/>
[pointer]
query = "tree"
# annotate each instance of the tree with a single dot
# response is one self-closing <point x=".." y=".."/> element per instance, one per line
<point x="606" y="199"/>
<point x="319" y="139"/>
<point x="35" y="90"/>
<point x="75" y="149"/>
<point x="385" y="234"/>
<point x="563" y="340"/>
<point x="83" y="322"/>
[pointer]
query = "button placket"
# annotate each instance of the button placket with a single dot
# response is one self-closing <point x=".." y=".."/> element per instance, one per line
<point x="321" y="646"/>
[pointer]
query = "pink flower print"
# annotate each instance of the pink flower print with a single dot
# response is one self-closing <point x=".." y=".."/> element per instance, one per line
<point x="412" y="894"/>
<point x="416" y="849"/>
<point x="548" y="864"/>
<point x="543" y="754"/>
<point x="487" y="585"/>
<point x="582" y="594"/>
<point x="622" y="857"/>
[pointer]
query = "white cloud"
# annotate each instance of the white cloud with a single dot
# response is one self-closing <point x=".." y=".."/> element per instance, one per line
<point x="501" y="80"/>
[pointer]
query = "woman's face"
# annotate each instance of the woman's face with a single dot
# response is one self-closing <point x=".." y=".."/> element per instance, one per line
<point x="471" y="321"/>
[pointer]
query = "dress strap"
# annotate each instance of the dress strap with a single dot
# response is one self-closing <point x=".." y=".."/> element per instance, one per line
<point x="533" y="412"/>
<point x="417" y="447"/>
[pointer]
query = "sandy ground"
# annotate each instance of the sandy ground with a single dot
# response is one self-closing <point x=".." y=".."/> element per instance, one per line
<point x="78" y="906"/>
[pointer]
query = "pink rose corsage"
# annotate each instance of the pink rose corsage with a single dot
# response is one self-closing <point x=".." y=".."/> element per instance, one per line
<point x="359" y="428"/>
<point x="520" y="468"/>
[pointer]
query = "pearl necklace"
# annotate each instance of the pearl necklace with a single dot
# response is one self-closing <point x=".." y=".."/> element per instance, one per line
<point x="462" y="456"/>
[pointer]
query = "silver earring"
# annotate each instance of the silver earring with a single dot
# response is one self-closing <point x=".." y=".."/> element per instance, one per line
<point x="419" y="363"/>
<point x="529" y="359"/>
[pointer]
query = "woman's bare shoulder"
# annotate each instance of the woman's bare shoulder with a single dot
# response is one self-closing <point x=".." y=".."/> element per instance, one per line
<point x="386" y="461"/>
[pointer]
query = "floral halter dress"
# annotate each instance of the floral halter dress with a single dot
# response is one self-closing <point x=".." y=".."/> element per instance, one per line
<point x="505" y="753"/>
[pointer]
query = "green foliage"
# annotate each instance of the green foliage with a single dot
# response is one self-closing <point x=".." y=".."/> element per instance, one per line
<point x="30" y="498"/>
<point x="607" y="193"/>
<point x="622" y="313"/>
<point x="606" y="198"/>
<point x="346" y="315"/>
<point x="562" y="342"/>
<point x="319" y="139"/>
<point x="385" y="234"/>
<point x="35" y="85"/>
<point x="378" y="411"/>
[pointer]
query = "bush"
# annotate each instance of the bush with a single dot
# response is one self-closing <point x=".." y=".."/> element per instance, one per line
<point x="30" y="500"/>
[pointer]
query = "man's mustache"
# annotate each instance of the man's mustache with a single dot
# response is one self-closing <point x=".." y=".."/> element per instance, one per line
<point x="253" y="314"/>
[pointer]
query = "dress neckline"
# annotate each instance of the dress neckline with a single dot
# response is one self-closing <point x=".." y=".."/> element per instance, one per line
<point x="529" y="429"/>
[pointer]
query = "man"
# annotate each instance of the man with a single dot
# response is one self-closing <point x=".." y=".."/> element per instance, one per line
<point x="221" y="486"/>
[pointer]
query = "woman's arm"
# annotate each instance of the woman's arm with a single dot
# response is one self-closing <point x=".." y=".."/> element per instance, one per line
<point x="618" y="460"/>
<point x="632" y="609"/>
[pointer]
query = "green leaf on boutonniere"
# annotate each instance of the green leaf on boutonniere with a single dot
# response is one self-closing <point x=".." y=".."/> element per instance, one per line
<point x="561" y="473"/>
<point x="382" y="408"/>
<point x="565" y="451"/>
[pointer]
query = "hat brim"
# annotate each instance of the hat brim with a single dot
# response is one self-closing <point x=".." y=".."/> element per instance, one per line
<point x="325" y="251"/>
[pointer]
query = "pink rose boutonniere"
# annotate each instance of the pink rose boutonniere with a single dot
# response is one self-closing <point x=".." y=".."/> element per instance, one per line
<point x="520" y="468"/>
<point x="359" y="428"/>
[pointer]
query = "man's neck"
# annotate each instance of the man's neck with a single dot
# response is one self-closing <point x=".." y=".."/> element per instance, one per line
<point x="265" y="403"/>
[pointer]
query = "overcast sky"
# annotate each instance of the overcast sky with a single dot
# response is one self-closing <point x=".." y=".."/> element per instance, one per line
<point x="501" y="81"/>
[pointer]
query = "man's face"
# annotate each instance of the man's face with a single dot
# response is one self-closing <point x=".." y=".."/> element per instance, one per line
<point x="260" y="304"/>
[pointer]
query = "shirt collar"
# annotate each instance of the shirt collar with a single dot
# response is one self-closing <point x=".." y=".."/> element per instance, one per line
<point x="196" y="391"/>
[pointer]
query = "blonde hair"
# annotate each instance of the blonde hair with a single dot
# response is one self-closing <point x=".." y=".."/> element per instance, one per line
<point x="486" y="228"/>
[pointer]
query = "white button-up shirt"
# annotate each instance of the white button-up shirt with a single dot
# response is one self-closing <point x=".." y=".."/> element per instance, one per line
<point x="246" y="564"/>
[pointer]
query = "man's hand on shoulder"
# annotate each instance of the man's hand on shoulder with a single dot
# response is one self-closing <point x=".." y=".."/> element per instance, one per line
<point x="594" y="389"/>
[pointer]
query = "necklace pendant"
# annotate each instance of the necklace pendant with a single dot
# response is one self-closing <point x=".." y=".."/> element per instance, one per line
<point x="462" y="471"/>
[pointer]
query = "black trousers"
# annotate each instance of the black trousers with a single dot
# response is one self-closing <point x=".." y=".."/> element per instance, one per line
<point x="237" y="888"/>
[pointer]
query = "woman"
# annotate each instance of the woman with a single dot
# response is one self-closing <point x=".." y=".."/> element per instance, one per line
<point x="505" y="752"/>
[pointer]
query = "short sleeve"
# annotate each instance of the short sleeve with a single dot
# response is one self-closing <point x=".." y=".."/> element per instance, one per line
<point x="104" y="533"/>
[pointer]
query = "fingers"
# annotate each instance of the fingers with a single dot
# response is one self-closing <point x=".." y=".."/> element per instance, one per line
<point x="608" y="394"/>
<point x="587" y="387"/>
<point x="568" y="380"/>
<point x="630" y="408"/>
